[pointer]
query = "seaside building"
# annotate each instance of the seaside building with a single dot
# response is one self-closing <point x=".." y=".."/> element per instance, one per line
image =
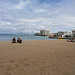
<point x="53" y="35"/>
<point x="44" y="32"/>
<point x="63" y="34"/>
<point x="73" y="33"/>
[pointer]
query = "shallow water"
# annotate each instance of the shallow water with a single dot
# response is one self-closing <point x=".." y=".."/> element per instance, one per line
<point x="8" y="37"/>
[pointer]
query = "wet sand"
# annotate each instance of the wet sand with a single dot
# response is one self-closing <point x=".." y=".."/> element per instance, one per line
<point x="43" y="57"/>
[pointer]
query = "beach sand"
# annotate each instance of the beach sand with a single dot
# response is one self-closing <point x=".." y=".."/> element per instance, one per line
<point x="43" y="57"/>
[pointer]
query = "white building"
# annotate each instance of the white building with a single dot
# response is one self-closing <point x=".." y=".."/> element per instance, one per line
<point x="44" y="32"/>
<point x="73" y="33"/>
<point x="63" y="34"/>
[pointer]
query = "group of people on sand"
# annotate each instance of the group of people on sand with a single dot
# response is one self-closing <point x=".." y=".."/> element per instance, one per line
<point x="18" y="40"/>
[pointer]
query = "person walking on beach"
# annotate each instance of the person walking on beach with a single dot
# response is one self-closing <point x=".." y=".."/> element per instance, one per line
<point x="14" y="40"/>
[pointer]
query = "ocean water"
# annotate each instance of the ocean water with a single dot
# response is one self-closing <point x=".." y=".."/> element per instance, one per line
<point x="9" y="37"/>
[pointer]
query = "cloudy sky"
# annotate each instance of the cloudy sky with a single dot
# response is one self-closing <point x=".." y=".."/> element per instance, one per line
<point x="30" y="16"/>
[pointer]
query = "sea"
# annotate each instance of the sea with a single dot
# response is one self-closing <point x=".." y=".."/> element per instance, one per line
<point x="9" y="37"/>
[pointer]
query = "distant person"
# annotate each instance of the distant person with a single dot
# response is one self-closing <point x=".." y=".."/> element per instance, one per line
<point x="14" y="40"/>
<point x="19" y="40"/>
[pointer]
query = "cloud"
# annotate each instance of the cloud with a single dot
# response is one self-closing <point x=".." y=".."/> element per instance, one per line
<point x="40" y="10"/>
<point x="5" y="23"/>
<point x="22" y="4"/>
<point x="31" y="20"/>
<point x="29" y="16"/>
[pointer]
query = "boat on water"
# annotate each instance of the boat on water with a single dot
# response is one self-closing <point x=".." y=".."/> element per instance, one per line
<point x="59" y="37"/>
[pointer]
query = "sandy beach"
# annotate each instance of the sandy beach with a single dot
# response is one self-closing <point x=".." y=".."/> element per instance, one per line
<point x="43" y="57"/>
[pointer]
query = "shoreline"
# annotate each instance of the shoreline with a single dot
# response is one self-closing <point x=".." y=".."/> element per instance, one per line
<point x="34" y="40"/>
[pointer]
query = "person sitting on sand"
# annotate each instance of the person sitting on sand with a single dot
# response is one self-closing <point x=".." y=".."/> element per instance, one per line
<point x="19" y="40"/>
<point x="14" y="40"/>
